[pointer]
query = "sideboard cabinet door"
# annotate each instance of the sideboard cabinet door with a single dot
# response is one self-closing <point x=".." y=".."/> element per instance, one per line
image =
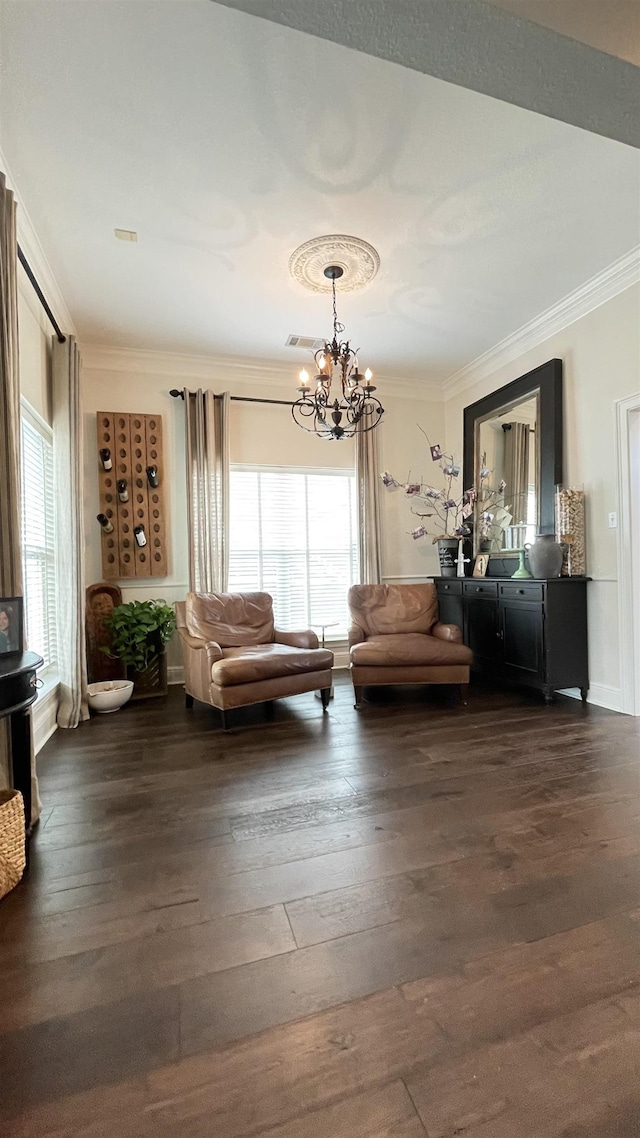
<point x="521" y="628"/>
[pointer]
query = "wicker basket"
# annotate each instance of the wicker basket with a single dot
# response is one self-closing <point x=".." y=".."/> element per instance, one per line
<point x="12" y="840"/>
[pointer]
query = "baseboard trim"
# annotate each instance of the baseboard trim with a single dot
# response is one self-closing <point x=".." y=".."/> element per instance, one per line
<point x="601" y="695"/>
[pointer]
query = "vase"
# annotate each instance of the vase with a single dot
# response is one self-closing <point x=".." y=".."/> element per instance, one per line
<point x="522" y="570"/>
<point x="571" y="530"/>
<point x="545" y="557"/>
<point x="448" y="554"/>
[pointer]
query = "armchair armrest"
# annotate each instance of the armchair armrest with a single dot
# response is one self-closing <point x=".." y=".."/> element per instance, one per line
<point x="306" y="639"/>
<point x="213" y="650"/>
<point x="449" y="632"/>
<point x="356" y="635"/>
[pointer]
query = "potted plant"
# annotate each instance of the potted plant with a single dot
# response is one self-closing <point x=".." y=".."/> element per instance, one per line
<point x="447" y="515"/>
<point x="138" y="633"/>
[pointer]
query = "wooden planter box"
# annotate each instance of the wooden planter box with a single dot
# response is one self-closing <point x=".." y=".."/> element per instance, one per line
<point x="152" y="680"/>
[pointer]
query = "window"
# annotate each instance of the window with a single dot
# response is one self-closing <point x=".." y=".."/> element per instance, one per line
<point x="293" y="534"/>
<point x="38" y="565"/>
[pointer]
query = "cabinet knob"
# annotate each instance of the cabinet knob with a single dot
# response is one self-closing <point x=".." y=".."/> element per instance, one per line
<point x="446" y="588"/>
<point x="521" y="591"/>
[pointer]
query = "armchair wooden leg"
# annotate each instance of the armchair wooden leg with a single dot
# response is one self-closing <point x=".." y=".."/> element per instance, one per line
<point x="464" y="694"/>
<point x="359" y="695"/>
<point x="223" y="716"/>
<point x="325" y="696"/>
<point x="188" y="700"/>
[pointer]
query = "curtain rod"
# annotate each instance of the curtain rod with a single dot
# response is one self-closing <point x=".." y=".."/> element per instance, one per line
<point x="40" y="295"/>
<point x="240" y="399"/>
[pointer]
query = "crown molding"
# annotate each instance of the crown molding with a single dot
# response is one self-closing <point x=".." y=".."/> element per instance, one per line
<point x="231" y="370"/>
<point x="617" y="277"/>
<point x="33" y="251"/>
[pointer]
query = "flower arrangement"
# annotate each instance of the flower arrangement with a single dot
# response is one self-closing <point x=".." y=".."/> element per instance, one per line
<point x="445" y="512"/>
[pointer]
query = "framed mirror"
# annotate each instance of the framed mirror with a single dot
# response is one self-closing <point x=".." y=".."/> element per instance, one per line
<point x="513" y="458"/>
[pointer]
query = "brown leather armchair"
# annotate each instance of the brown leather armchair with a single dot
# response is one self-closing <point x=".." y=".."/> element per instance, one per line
<point x="234" y="655"/>
<point x="396" y="638"/>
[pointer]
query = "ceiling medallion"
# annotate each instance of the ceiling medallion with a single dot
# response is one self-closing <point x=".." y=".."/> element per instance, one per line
<point x="355" y="409"/>
<point x="358" y="260"/>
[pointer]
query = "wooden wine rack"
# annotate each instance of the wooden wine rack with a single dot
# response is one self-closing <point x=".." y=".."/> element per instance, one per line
<point x="135" y="442"/>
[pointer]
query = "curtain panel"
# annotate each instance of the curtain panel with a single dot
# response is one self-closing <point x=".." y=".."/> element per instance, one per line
<point x="10" y="478"/>
<point x="207" y="438"/>
<point x="368" y="499"/>
<point x="516" y="469"/>
<point x="67" y="457"/>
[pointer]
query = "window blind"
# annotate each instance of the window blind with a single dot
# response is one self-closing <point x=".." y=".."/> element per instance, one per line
<point x="293" y="535"/>
<point x="38" y="539"/>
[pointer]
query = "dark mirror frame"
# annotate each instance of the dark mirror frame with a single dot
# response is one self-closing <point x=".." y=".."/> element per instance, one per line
<point x="547" y="379"/>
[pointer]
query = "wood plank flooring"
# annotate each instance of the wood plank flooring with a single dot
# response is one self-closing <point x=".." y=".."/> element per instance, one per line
<point x="419" y="920"/>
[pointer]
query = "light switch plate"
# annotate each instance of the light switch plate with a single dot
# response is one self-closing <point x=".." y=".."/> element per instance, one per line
<point x="613" y="520"/>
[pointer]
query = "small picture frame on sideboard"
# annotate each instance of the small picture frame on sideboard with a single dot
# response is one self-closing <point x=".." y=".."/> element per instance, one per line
<point x="11" y="626"/>
<point x="480" y="565"/>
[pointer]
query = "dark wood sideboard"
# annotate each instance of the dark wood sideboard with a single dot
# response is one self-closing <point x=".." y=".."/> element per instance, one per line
<point x="526" y="632"/>
<point x="17" y="692"/>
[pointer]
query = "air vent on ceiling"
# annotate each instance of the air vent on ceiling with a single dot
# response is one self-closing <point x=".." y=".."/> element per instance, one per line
<point x="304" y="342"/>
<point x="126" y="234"/>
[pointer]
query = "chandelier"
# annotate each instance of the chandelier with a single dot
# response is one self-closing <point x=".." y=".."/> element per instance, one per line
<point x="324" y="412"/>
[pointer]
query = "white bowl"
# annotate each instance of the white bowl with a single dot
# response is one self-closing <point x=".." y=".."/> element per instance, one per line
<point x="109" y="695"/>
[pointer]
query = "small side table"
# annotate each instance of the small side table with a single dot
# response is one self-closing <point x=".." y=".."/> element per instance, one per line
<point x="17" y="692"/>
<point x="328" y="624"/>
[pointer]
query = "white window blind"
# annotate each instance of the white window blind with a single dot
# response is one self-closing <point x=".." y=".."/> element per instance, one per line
<point x="38" y="563"/>
<point x="293" y="535"/>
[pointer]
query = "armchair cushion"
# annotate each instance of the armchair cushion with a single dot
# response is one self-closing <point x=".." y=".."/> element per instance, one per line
<point x="409" y="648"/>
<point x="230" y="619"/>
<point x="382" y="609"/>
<point x="267" y="661"/>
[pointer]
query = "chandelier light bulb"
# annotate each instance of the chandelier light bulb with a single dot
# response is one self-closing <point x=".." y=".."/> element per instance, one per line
<point x="304" y="377"/>
<point x="368" y="375"/>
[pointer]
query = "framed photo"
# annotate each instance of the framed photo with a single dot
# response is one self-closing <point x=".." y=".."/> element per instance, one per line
<point x="11" y="627"/>
<point x="480" y="565"/>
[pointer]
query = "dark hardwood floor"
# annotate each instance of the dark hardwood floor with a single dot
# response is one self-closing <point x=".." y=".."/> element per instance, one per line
<point x="421" y="919"/>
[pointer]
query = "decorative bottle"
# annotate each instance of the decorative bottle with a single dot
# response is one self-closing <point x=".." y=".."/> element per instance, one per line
<point x="140" y="535"/>
<point x="123" y="493"/>
<point x="152" y="475"/>
<point x="105" y="523"/>
<point x="105" y="458"/>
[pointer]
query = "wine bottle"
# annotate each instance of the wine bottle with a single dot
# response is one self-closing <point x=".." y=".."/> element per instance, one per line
<point x="105" y="458"/>
<point x="140" y="535"/>
<point x="123" y="493"/>
<point x="105" y="523"/>
<point x="152" y="475"/>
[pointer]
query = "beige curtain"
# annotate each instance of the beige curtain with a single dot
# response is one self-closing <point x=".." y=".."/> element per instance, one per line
<point x="10" y="551"/>
<point x="516" y="469"/>
<point x="367" y="483"/>
<point x="68" y="457"/>
<point x="207" y="431"/>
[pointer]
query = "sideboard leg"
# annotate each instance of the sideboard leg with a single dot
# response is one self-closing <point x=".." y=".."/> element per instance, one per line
<point x="583" y="694"/>
<point x="549" y="696"/>
<point x="188" y="700"/>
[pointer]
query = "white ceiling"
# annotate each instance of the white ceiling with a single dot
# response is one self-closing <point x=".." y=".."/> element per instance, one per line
<point x="608" y="25"/>
<point x="226" y="142"/>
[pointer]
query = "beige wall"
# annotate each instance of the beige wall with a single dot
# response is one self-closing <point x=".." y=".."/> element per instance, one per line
<point x="34" y="333"/>
<point x="601" y="358"/>
<point x="265" y="435"/>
